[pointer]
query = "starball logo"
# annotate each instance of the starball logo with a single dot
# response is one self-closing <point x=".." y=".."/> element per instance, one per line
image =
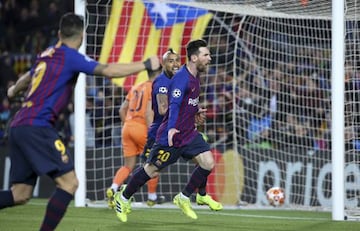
<point x="176" y="93"/>
<point x="163" y="90"/>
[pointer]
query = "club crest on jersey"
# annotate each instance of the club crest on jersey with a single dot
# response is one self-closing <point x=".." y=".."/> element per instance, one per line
<point x="163" y="90"/>
<point x="193" y="102"/>
<point x="176" y="93"/>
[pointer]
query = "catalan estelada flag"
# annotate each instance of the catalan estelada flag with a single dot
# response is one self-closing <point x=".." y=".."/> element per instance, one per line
<point x="138" y="29"/>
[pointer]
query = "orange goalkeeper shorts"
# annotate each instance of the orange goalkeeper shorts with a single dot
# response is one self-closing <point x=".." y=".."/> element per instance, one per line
<point x="134" y="137"/>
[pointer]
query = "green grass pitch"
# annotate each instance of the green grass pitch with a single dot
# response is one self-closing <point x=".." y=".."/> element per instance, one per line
<point x="29" y="217"/>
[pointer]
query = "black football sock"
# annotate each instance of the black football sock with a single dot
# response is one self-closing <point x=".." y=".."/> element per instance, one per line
<point x="202" y="188"/>
<point x="198" y="178"/>
<point x="56" y="209"/>
<point x="6" y="199"/>
<point x="138" y="179"/>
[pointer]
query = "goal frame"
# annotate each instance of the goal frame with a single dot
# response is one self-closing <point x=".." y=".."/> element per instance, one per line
<point x="337" y="108"/>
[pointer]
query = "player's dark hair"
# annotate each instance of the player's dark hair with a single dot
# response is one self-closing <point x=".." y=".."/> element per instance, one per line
<point x="171" y="51"/>
<point x="193" y="46"/>
<point x="71" y="24"/>
<point x="166" y="54"/>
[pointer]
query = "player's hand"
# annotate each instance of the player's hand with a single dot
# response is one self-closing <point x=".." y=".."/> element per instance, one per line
<point x="152" y="63"/>
<point x="200" y="116"/>
<point x="11" y="92"/>
<point x="171" y="134"/>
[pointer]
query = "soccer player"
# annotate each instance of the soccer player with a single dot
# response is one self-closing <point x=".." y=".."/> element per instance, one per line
<point x="171" y="64"/>
<point x="136" y="116"/>
<point x="177" y="137"/>
<point x="150" y="101"/>
<point x="35" y="146"/>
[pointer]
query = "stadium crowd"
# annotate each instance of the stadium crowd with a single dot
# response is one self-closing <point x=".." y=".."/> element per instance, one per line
<point x="26" y="28"/>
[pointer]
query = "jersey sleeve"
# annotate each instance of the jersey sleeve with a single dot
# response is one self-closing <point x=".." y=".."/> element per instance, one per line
<point x="177" y="92"/>
<point x="81" y="63"/>
<point x="160" y="87"/>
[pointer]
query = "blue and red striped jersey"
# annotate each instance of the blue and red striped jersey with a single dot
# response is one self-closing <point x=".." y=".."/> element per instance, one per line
<point x="53" y="77"/>
<point x="184" y="91"/>
<point x="160" y="86"/>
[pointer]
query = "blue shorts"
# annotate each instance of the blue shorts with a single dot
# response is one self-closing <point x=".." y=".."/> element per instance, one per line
<point x="37" y="151"/>
<point x="162" y="156"/>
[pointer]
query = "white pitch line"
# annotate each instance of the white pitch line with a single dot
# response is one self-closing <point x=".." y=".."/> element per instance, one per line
<point x="262" y="216"/>
<point x="200" y="210"/>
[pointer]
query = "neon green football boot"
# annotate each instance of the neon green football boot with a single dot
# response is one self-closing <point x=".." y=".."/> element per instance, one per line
<point x="122" y="207"/>
<point x="110" y="198"/>
<point x="185" y="206"/>
<point x="207" y="200"/>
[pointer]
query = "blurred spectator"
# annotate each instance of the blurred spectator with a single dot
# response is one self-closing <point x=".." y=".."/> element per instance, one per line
<point x="27" y="21"/>
<point x="5" y="114"/>
<point x="7" y="73"/>
<point x="89" y="126"/>
<point x="293" y="133"/>
<point x="259" y="128"/>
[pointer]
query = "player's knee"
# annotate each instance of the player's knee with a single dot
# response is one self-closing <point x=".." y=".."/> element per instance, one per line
<point x="207" y="164"/>
<point x="21" y="198"/>
<point x="151" y="170"/>
<point x="74" y="185"/>
<point x="70" y="185"/>
<point x="154" y="174"/>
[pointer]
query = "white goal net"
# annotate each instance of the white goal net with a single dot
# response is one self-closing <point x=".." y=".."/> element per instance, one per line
<point x="268" y="94"/>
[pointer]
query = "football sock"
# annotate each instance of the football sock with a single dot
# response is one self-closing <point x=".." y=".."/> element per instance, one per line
<point x="152" y="196"/>
<point x="152" y="184"/>
<point x="202" y="188"/>
<point x="198" y="178"/>
<point x="183" y="196"/>
<point x="138" y="179"/>
<point x="6" y="199"/>
<point x="56" y="209"/>
<point x="121" y="175"/>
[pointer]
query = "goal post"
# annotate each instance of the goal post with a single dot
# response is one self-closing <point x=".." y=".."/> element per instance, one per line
<point x="79" y="114"/>
<point x="337" y="124"/>
<point x="277" y="114"/>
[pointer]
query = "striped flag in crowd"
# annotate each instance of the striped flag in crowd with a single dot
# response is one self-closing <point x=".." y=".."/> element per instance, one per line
<point x="139" y="29"/>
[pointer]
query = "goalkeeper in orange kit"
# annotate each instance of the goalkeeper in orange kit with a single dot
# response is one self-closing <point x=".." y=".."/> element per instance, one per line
<point x="143" y="108"/>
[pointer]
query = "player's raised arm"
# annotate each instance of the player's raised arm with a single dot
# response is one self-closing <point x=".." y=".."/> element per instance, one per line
<point x="124" y="69"/>
<point x="21" y="84"/>
<point x="71" y="34"/>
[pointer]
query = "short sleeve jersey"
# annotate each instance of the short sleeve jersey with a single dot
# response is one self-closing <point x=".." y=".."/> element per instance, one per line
<point x="160" y="86"/>
<point x="53" y="77"/>
<point x="184" y="91"/>
<point x="138" y="97"/>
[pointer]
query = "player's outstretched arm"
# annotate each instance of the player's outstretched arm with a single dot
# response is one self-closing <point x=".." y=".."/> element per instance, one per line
<point x="21" y="84"/>
<point x="124" y="69"/>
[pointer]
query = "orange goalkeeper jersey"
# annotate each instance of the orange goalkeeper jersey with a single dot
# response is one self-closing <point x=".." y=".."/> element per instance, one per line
<point x="139" y="96"/>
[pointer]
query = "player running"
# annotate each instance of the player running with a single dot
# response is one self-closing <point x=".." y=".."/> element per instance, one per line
<point x="142" y="124"/>
<point x="177" y="137"/>
<point x="35" y="146"/>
